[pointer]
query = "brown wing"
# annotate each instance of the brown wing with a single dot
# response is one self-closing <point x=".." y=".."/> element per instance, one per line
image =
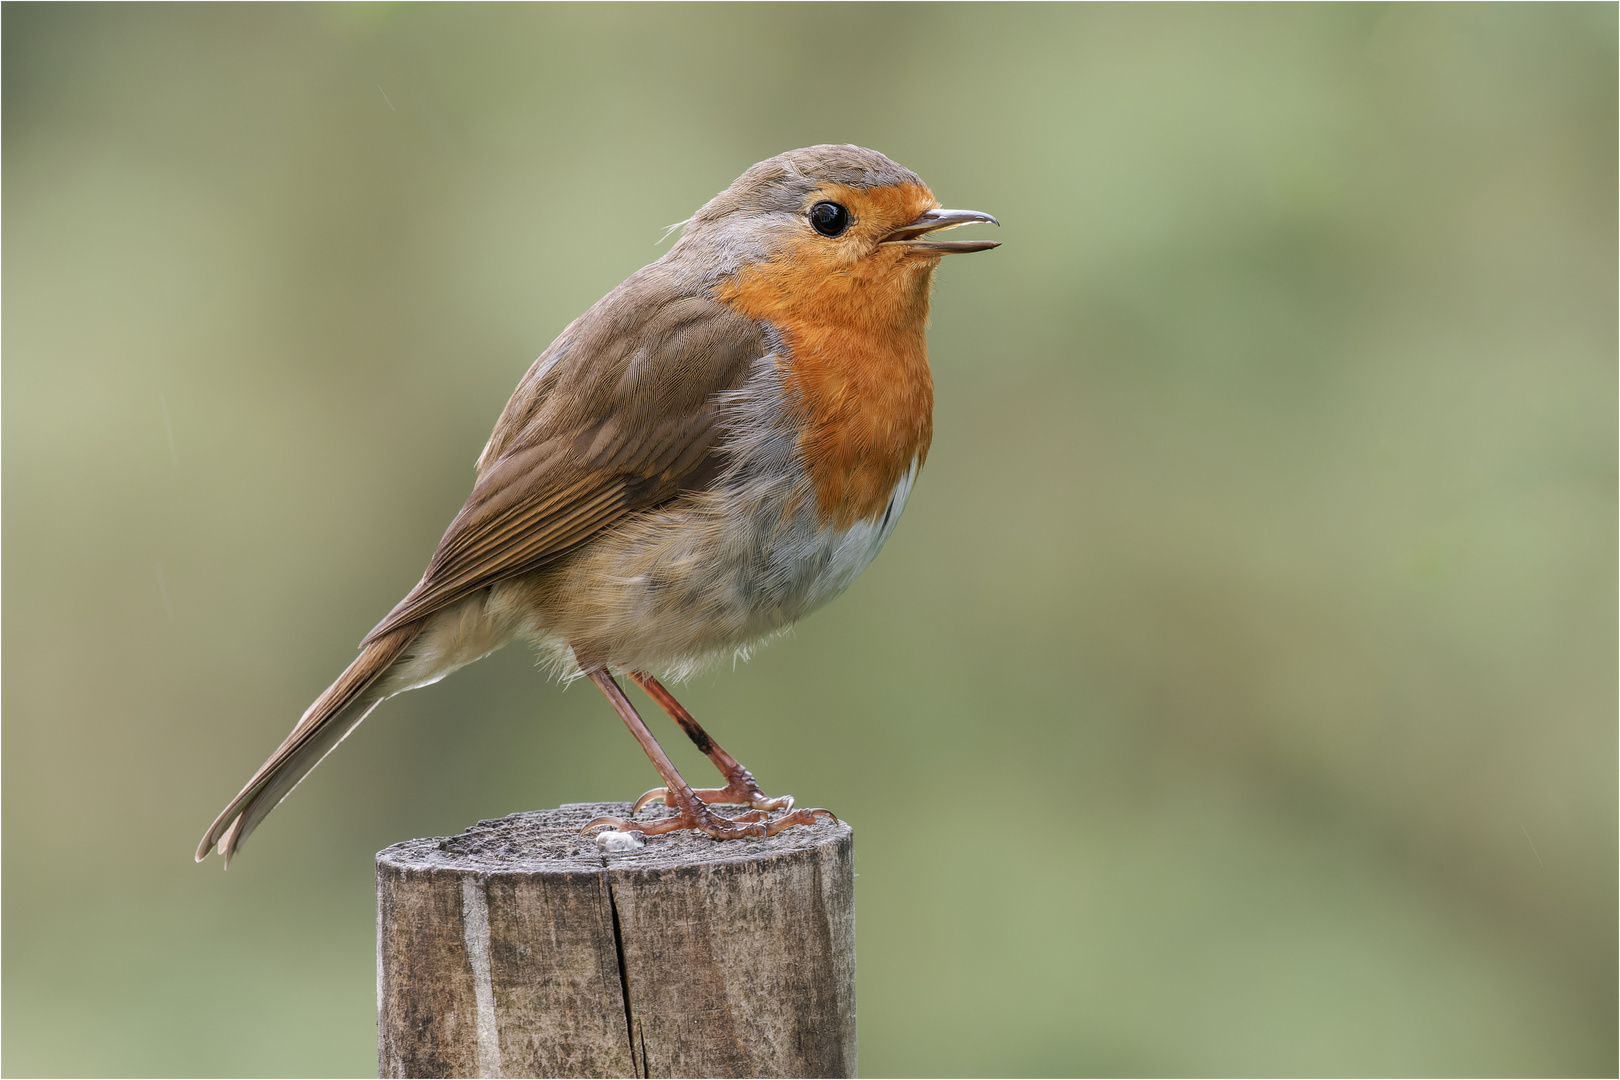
<point x="621" y="409"/>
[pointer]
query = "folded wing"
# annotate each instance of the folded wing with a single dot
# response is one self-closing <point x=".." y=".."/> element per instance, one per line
<point x="615" y="424"/>
<point x="625" y="407"/>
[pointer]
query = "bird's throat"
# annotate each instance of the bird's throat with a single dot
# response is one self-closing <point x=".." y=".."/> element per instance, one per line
<point x="856" y="371"/>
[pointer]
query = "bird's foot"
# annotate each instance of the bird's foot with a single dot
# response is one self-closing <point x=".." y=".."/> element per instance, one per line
<point x="741" y="791"/>
<point x="693" y="816"/>
<point x="699" y="817"/>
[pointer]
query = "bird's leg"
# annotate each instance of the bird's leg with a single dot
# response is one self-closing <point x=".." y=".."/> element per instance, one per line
<point x="740" y="786"/>
<point x="690" y="812"/>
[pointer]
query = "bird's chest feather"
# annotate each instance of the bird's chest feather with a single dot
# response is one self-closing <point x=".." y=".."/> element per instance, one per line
<point x="855" y="375"/>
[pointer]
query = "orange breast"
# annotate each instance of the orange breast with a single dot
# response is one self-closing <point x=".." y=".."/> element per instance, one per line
<point x="858" y="370"/>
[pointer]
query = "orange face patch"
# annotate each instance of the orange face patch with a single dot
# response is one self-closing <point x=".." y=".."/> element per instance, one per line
<point x="854" y="315"/>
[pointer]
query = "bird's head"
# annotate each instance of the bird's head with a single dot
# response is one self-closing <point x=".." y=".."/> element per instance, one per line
<point x="837" y="229"/>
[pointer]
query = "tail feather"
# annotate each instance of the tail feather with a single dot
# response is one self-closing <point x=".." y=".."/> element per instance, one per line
<point x="326" y="723"/>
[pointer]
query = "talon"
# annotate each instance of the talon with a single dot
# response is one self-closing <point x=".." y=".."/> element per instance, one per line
<point x="619" y="824"/>
<point x="657" y="794"/>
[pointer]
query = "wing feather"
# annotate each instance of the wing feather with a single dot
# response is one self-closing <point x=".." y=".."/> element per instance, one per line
<point x="621" y="414"/>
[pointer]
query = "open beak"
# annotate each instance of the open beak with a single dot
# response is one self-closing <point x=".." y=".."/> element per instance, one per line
<point x="933" y="221"/>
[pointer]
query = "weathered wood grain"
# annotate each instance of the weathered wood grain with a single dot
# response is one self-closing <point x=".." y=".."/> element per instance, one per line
<point x="520" y="948"/>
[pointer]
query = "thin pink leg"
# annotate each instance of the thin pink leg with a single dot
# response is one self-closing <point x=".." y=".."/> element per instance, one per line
<point x="740" y="786"/>
<point x="690" y="812"/>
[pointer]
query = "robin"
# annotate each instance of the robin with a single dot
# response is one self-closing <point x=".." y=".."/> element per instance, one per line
<point x="710" y="453"/>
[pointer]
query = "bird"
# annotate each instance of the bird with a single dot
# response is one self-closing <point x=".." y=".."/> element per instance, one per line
<point x="714" y="450"/>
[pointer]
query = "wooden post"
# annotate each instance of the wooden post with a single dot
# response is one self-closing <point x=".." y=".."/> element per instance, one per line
<point x="521" y="948"/>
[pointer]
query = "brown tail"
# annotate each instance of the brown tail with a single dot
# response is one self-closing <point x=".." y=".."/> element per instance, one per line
<point x="335" y="713"/>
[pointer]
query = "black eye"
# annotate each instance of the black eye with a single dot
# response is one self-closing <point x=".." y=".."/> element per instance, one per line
<point x="829" y="218"/>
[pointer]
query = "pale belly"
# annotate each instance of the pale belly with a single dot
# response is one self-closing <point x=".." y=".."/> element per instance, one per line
<point x="706" y="579"/>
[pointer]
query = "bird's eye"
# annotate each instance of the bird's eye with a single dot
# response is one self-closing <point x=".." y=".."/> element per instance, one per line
<point x="829" y="218"/>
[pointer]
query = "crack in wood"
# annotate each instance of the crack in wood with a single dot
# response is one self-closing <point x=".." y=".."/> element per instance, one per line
<point x="639" y="1068"/>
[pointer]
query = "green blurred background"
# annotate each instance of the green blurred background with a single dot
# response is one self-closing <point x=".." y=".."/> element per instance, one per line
<point x="1237" y="695"/>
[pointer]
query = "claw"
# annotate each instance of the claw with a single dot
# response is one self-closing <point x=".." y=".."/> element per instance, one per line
<point x="657" y="794"/>
<point x="619" y="824"/>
